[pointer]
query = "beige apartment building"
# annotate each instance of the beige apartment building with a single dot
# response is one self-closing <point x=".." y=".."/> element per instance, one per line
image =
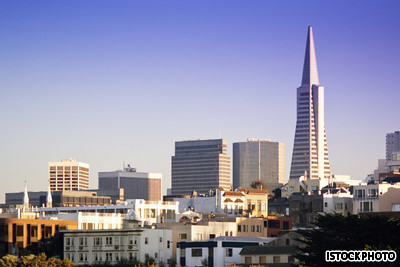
<point x="68" y="174"/>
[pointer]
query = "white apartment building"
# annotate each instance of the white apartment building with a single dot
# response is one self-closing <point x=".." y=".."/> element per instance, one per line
<point x="92" y="220"/>
<point x="221" y="251"/>
<point x="68" y="174"/>
<point x="338" y="202"/>
<point x="147" y="212"/>
<point x="376" y="197"/>
<point x="133" y="243"/>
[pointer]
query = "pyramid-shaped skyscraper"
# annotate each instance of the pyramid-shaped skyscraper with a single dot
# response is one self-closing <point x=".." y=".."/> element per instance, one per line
<point x="310" y="149"/>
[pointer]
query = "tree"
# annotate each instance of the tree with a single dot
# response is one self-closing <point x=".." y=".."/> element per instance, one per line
<point x="338" y="232"/>
<point x="257" y="184"/>
<point x="204" y="262"/>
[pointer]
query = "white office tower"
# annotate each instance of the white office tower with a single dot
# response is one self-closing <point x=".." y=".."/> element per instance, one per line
<point x="68" y="174"/>
<point x="310" y="150"/>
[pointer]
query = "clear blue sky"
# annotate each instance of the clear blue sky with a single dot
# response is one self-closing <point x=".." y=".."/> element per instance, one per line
<point x="107" y="82"/>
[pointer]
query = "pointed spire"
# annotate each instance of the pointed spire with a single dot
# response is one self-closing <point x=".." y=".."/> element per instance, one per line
<point x="310" y="70"/>
<point x="49" y="199"/>
<point x="26" y="198"/>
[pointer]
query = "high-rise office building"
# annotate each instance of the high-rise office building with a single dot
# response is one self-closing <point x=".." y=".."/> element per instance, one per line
<point x="310" y="150"/>
<point x="258" y="160"/>
<point x="135" y="185"/>
<point x="200" y="165"/>
<point x="68" y="174"/>
<point x="392" y="144"/>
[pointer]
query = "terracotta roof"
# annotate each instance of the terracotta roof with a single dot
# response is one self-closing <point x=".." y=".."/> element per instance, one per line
<point x="228" y="200"/>
<point x="233" y="193"/>
<point x="238" y="200"/>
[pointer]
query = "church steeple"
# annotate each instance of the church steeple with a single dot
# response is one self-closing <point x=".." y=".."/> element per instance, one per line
<point x="310" y="70"/>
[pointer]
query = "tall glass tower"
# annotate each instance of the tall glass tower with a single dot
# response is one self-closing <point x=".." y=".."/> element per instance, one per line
<point x="310" y="150"/>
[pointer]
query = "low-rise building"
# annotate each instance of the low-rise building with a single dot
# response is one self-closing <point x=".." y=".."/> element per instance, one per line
<point x="132" y="243"/>
<point x="147" y="212"/>
<point x="338" y="201"/>
<point x="16" y="234"/>
<point x="304" y="207"/>
<point x="218" y="252"/>
<point x="231" y="203"/>
<point x="376" y="197"/>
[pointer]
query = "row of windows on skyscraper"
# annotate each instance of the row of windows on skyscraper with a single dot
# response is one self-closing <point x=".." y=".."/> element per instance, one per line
<point x="204" y="165"/>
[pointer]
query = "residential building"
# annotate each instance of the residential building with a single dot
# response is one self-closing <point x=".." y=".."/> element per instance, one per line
<point x="200" y="165"/>
<point x="392" y="144"/>
<point x="382" y="197"/>
<point x="304" y="207"/>
<point x="231" y="203"/>
<point x="260" y="160"/>
<point x="268" y="255"/>
<point x="338" y="200"/>
<point x="135" y="185"/>
<point x="218" y="252"/>
<point x="132" y="242"/>
<point x="310" y="150"/>
<point x="91" y="220"/>
<point x="68" y="174"/>
<point x="147" y="212"/>
<point x="16" y="234"/>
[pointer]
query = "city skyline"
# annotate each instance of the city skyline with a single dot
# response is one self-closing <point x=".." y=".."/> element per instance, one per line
<point x="108" y="83"/>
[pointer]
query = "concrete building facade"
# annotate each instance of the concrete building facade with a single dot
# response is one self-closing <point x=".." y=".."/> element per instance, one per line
<point x="98" y="246"/>
<point x="392" y="144"/>
<point x="200" y="165"/>
<point x="310" y="150"/>
<point x="258" y="160"/>
<point x="68" y="174"/>
<point x="136" y="185"/>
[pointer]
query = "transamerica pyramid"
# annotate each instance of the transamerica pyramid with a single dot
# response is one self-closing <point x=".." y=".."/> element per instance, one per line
<point x="310" y="149"/>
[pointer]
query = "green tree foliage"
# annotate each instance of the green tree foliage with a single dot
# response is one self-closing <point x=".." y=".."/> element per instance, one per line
<point x="257" y="184"/>
<point x="338" y="232"/>
<point x="40" y="260"/>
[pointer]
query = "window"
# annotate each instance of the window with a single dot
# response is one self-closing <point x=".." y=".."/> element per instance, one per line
<point x="247" y="260"/>
<point x="146" y="240"/>
<point x="239" y="228"/>
<point x="81" y="241"/>
<point x="291" y="259"/>
<point x="273" y="224"/>
<point x="156" y="255"/>
<point x="262" y="259"/>
<point x="258" y="229"/>
<point x="285" y="225"/>
<point x="228" y="252"/>
<point x="253" y="228"/>
<point x="277" y="259"/>
<point x="67" y="242"/>
<point x="168" y="244"/>
<point x="326" y="204"/>
<point x="109" y="240"/>
<point x="80" y="256"/>
<point x="183" y="252"/>
<point x="199" y="236"/>
<point x="212" y="236"/>
<point x="182" y="236"/>
<point x="197" y="252"/>
<point x="160" y="239"/>
<point x="20" y="230"/>
<point x="359" y="193"/>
